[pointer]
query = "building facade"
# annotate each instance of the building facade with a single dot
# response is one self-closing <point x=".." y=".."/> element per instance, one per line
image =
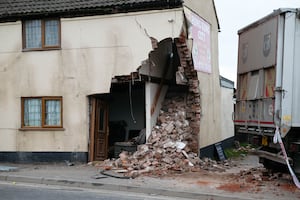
<point x="78" y="77"/>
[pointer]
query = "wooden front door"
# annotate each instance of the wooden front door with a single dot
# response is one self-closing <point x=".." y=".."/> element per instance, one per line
<point x="100" y="130"/>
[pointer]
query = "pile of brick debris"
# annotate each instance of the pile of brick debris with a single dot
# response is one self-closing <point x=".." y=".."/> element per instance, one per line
<point x="167" y="149"/>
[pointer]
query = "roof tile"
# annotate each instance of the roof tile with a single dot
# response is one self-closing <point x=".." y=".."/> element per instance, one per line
<point x="14" y="9"/>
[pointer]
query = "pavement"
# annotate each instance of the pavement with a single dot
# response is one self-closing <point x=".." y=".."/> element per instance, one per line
<point x="87" y="176"/>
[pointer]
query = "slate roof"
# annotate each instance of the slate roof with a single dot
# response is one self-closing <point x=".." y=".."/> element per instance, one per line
<point x="17" y="9"/>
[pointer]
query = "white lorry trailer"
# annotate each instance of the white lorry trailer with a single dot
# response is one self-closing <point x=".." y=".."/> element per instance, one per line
<point x="268" y="86"/>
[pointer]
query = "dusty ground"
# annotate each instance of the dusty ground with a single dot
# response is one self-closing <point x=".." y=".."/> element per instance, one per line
<point x="243" y="177"/>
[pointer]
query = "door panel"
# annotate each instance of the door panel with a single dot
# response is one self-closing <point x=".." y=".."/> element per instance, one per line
<point x="101" y="130"/>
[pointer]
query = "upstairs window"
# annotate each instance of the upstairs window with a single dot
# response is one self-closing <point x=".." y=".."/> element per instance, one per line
<point x="41" y="34"/>
<point x="42" y="112"/>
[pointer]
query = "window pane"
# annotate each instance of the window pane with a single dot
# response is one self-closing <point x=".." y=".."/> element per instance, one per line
<point x="32" y="112"/>
<point x="33" y="34"/>
<point x="51" y="33"/>
<point x="52" y="114"/>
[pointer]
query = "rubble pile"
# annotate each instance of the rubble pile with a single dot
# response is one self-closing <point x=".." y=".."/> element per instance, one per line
<point x="167" y="149"/>
<point x="173" y="143"/>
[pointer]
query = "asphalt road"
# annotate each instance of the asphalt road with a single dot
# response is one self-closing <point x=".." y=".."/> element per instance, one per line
<point x="18" y="191"/>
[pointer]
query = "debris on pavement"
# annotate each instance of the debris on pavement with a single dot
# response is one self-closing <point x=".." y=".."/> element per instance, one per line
<point x="167" y="148"/>
<point x="98" y="176"/>
<point x="256" y="179"/>
<point x="114" y="174"/>
<point x="68" y="163"/>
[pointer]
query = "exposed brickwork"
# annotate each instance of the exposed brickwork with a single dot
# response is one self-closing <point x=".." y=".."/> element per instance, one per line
<point x="174" y="141"/>
<point x="193" y="111"/>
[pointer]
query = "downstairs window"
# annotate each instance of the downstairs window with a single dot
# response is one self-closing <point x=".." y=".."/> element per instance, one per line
<point x="42" y="112"/>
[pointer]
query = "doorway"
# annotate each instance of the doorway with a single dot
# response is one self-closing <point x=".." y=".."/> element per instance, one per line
<point x="98" y="130"/>
<point x="115" y="117"/>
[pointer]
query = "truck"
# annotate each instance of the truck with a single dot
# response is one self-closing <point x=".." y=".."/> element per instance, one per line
<point x="268" y="87"/>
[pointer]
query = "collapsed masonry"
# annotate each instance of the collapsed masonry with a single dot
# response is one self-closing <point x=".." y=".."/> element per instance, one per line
<point x="167" y="147"/>
<point x="173" y="143"/>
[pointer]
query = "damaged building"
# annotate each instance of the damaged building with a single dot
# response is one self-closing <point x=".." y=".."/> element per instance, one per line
<point x="80" y="78"/>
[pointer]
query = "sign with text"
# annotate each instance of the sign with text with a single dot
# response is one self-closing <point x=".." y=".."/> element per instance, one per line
<point x="199" y="31"/>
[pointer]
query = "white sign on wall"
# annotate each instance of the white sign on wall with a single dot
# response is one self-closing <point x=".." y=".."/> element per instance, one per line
<point x="199" y="31"/>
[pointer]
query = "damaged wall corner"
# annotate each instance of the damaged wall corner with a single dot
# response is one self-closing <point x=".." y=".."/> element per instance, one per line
<point x="193" y="111"/>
